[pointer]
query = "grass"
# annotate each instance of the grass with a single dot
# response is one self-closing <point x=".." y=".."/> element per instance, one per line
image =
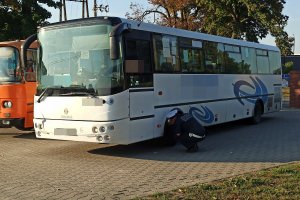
<point x="281" y="182"/>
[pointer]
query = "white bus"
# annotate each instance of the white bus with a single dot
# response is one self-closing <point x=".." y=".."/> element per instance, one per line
<point x="113" y="80"/>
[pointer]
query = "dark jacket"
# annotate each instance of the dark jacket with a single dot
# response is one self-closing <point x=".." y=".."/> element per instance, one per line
<point x="190" y="130"/>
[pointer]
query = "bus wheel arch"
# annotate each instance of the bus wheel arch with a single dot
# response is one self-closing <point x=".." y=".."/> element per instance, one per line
<point x="258" y="111"/>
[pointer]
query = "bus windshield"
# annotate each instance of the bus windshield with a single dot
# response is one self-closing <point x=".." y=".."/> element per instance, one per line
<point x="79" y="56"/>
<point x="9" y="62"/>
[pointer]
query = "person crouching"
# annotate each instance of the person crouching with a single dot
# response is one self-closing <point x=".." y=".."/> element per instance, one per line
<point x="186" y="129"/>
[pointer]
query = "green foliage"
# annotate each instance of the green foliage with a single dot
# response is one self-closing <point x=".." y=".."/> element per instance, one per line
<point x="286" y="171"/>
<point x="20" y="19"/>
<point x="287" y="67"/>
<point x="249" y="20"/>
<point x="183" y="14"/>
<point x="285" y="43"/>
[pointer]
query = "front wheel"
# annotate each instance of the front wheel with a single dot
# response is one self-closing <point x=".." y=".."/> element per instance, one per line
<point x="257" y="113"/>
<point x="169" y="138"/>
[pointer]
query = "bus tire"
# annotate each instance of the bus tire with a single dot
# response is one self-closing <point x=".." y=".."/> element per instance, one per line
<point x="168" y="139"/>
<point x="257" y="113"/>
<point x="20" y="124"/>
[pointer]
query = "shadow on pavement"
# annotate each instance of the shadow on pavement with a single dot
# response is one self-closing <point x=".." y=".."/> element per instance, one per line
<point x="275" y="139"/>
<point x="27" y="135"/>
<point x="13" y="131"/>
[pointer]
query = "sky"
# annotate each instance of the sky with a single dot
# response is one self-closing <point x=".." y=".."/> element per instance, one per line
<point x="118" y="8"/>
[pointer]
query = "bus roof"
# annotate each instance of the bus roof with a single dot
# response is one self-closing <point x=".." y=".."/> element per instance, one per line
<point x="137" y="25"/>
<point x="195" y="35"/>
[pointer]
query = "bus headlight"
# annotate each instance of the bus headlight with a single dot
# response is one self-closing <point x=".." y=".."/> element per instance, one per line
<point x="7" y="104"/>
<point x="102" y="129"/>
<point x="100" y="138"/>
<point x="95" y="129"/>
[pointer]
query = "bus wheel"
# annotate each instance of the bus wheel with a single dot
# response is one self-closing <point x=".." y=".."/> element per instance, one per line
<point x="168" y="139"/>
<point x="257" y="113"/>
<point x="19" y="124"/>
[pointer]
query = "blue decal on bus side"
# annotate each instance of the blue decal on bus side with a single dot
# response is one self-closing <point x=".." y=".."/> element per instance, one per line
<point x="260" y="90"/>
<point x="204" y="115"/>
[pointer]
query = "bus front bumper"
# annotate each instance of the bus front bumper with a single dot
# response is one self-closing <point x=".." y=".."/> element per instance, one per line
<point x="8" y="122"/>
<point x="85" y="131"/>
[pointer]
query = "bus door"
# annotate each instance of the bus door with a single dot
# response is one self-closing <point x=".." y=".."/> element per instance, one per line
<point x="29" y="61"/>
<point x="139" y="81"/>
<point x="30" y="84"/>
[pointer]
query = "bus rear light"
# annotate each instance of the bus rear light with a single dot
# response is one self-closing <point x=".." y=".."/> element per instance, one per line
<point x="5" y="122"/>
<point x="7" y="104"/>
<point x="95" y="129"/>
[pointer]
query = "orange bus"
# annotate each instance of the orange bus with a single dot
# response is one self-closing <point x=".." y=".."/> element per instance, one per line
<point x="17" y="83"/>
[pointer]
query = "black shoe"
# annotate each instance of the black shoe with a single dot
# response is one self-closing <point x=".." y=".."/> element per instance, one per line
<point x="193" y="149"/>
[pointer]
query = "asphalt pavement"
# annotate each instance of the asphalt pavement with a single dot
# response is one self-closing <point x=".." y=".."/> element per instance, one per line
<point x="33" y="168"/>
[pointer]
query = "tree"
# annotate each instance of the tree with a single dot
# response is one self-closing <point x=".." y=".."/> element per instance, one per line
<point x="20" y="19"/>
<point x="287" y="67"/>
<point x="249" y="20"/>
<point x="285" y="44"/>
<point x="173" y="13"/>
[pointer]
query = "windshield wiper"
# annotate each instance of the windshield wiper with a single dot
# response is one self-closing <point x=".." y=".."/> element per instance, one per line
<point x="79" y="94"/>
<point x="47" y="90"/>
<point x="74" y="90"/>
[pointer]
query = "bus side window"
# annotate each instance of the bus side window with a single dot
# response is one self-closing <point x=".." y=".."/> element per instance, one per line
<point x="249" y="58"/>
<point x="191" y="55"/>
<point x="138" y="63"/>
<point x="30" y="74"/>
<point x="233" y="60"/>
<point x="165" y="51"/>
<point x="191" y="60"/>
<point x="214" y="57"/>
<point x="263" y="65"/>
<point x="275" y="65"/>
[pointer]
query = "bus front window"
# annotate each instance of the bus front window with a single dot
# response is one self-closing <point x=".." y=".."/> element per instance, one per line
<point x="9" y="65"/>
<point x="79" y="56"/>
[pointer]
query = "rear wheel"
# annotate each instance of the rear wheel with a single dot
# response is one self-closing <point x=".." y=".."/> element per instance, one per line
<point x="257" y="113"/>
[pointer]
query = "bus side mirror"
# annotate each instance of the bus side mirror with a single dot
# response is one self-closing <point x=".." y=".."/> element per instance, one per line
<point x="114" y="48"/>
<point x="25" y="47"/>
<point x="115" y="39"/>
